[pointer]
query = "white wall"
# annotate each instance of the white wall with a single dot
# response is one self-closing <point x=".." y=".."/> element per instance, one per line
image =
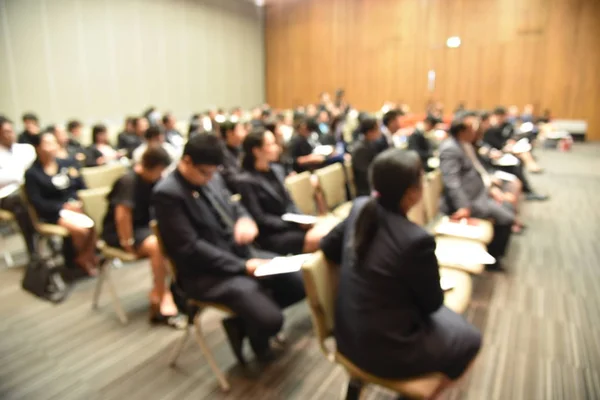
<point x="99" y="60"/>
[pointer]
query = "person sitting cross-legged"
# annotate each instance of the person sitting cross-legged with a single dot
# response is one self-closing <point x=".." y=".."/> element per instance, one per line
<point x="127" y="226"/>
<point x="209" y="239"/>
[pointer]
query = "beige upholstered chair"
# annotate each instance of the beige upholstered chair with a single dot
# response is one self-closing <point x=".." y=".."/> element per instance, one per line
<point x="333" y="184"/>
<point x="95" y="206"/>
<point x="432" y="192"/>
<point x="321" y="281"/>
<point x="350" y="177"/>
<point x="103" y="175"/>
<point x="302" y="192"/>
<point x="196" y="309"/>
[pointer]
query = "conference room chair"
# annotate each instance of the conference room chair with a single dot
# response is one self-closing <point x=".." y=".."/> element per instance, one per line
<point x="321" y="282"/>
<point x="103" y="175"/>
<point x="195" y="311"/>
<point x="350" y="178"/>
<point x="332" y="180"/>
<point x="302" y="192"/>
<point x="95" y="206"/>
<point x="438" y="224"/>
<point x="6" y="217"/>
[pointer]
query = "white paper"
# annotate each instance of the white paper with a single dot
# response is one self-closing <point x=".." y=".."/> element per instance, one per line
<point x="433" y="162"/>
<point x="461" y="229"/>
<point x="8" y="190"/>
<point x="505" y="176"/>
<point x="456" y="253"/>
<point x="299" y="218"/>
<point x="447" y="283"/>
<point x="282" y="265"/>
<point x="507" y="160"/>
<point x="323" y="150"/>
<point x="76" y="218"/>
<point x="522" y="146"/>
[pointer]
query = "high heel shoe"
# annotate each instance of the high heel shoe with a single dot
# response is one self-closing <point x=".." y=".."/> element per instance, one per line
<point x="177" y="321"/>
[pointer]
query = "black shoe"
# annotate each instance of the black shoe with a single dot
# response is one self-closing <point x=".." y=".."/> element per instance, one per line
<point x="261" y="347"/>
<point x="234" y="328"/>
<point x="536" y="197"/>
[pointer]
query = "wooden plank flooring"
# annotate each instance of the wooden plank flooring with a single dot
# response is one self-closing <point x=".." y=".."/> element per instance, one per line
<point x="541" y="323"/>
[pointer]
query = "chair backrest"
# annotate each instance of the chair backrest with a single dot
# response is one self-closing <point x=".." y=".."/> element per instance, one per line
<point x="333" y="184"/>
<point x="103" y="175"/>
<point x="95" y="205"/>
<point x="302" y="192"/>
<point x="350" y="177"/>
<point x="432" y="192"/>
<point x="321" y="282"/>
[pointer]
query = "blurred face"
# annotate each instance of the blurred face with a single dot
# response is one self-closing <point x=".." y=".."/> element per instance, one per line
<point x="269" y="151"/>
<point x="170" y="122"/>
<point x="472" y="122"/>
<point x="469" y="134"/>
<point x="325" y="98"/>
<point x="31" y="125"/>
<point x="7" y="135"/>
<point x="528" y="109"/>
<point x="102" y="138"/>
<point x="157" y="141"/>
<point x="198" y="175"/>
<point x="129" y="126"/>
<point x="412" y="196"/>
<point x="76" y="132"/>
<point x="323" y="117"/>
<point x="61" y="136"/>
<point x="141" y="126"/>
<point x="311" y="110"/>
<point x="513" y="111"/>
<point x="48" y="147"/>
<point x="236" y="136"/>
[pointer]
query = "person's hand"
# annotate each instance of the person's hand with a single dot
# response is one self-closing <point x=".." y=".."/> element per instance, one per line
<point x="245" y="231"/>
<point x="122" y="153"/>
<point x="74" y="206"/>
<point x="461" y="213"/>
<point x="254" y="263"/>
<point x="510" y="198"/>
<point x="100" y="161"/>
<point x="495" y="154"/>
<point x="496" y="181"/>
<point x="497" y="195"/>
<point x="306" y="227"/>
<point x="347" y="157"/>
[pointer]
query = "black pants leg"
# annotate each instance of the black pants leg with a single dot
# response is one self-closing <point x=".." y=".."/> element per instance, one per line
<point x="504" y="217"/>
<point x="14" y="203"/>
<point x="519" y="172"/>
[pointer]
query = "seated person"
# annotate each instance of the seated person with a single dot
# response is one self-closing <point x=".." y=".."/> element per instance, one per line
<point x="65" y="152"/>
<point x="172" y="135"/>
<point x="303" y="144"/>
<point x="32" y="129"/>
<point x="101" y="152"/>
<point x="155" y="138"/>
<point x="233" y="136"/>
<point x="502" y="137"/>
<point x="264" y="195"/>
<point x="75" y="128"/>
<point x="15" y="159"/>
<point x="389" y="293"/>
<point x="51" y="185"/>
<point x="364" y="152"/>
<point x="209" y="239"/>
<point x="391" y="125"/>
<point x="469" y="190"/>
<point x="127" y="226"/>
<point x="418" y="142"/>
<point x="131" y="140"/>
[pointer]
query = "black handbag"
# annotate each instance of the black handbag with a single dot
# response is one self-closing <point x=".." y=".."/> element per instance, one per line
<point x="43" y="279"/>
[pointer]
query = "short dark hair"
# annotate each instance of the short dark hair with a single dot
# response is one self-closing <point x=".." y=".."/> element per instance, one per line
<point x="50" y="129"/>
<point x="36" y="140"/>
<point x="136" y="121"/>
<point x="73" y="124"/>
<point x="155" y="157"/>
<point x="165" y="118"/>
<point x="270" y="125"/>
<point x="205" y="149"/>
<point x="226" y="127"/>
<point x="4" y="120"/>
<point x="153" y="132"/>
<point x="97" y="130"/>
<point x="253" y="140"/>
<point x="484" y="116"/>
<point x="368" y="125"/>
<point x="457" y="127"/>
<point x="30" y="117"/>
<point x="430" y="120"/>
<point x="390" y="116"/>
<point x="499" y="110"/>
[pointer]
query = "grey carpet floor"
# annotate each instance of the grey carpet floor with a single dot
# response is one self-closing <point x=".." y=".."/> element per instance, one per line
<point x="540" y="319"/>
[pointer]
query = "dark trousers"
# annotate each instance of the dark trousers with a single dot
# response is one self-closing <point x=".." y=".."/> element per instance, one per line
<point x="519" y="172"/>
<point x="14" y="203"/>
<point x="258" y="302"/>
<point x="504" y="217"/>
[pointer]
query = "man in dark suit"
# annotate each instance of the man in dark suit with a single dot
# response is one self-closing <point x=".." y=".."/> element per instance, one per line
<point x="363" y="153"/>
<point x="469" y="189"/>
<point x="209" y="238"/>
<point x="233" y="134"/>
<point x="130" y="141"/>
<point x="419" y="143"/>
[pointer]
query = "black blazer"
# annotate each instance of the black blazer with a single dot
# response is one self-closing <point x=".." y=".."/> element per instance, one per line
<point x="419" y="143"/>
<point x="363" y="154"/>
<point x="265" y="202"/>
<point x="201" y="248"/>
<point x="231" y="168"/>
<point x="497" y="136"/>
<point x="383" y="304"/>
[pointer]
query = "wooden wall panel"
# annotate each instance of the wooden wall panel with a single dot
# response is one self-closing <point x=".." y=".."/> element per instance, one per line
<point x="545" y="52"/>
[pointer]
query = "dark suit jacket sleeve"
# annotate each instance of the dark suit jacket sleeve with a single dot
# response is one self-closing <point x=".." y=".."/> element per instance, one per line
<point x="42" y="205"/>
<point x="493" y="137"/>
<point x="333" y="244"/>
<point x="450" y="165"/>
<point x="183" y="243"/>
<point x="425" y="276"/>
<point x="238" y="209"/>
<point x="263" y="219"/>
<point x="360" y="164"/>
<point x="418" y="142"/>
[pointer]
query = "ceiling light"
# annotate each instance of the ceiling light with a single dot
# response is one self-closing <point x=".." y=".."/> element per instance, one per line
<point x="453" y="42"/>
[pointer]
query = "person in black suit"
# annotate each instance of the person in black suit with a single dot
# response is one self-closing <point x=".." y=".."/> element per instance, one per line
<point x="129" y="141"/>
<point x="266" y="198"/>
<point x="172" y="135"/>
<point x="209" y="239"/>
<point x="389" y="318"/>
<point x="233" y="135"/>
<point x="364" y="152"/>
<point x="51" y="185"/>
<point x="419" y="143"/>
<point x="301" y="148"/>
<point x="32" y="129"/>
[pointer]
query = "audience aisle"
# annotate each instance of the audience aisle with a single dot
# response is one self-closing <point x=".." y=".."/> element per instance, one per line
<point x="541" y="323"/>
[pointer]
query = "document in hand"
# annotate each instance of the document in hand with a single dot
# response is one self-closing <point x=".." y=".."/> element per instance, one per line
<point x="299" y="218"/>
<point x="76" y="218"/>
<point x="323" y="150"/>
<point x="465" y="253"/>
<point x="282" y="265"/>
<point x="522" y="146"/>
<point x="465" y="228"/>
<point x="507" y="160"/>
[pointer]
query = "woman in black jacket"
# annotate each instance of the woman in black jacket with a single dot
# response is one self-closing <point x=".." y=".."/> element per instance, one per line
<point x="390" y="319"/>
<point x="264" y="195"/>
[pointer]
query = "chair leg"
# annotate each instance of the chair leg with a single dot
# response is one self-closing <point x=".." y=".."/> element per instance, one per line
<point x="99" y="282"/>
<point x="208" y="354"/>
<point x="354" y="390"/>
<point x="114" y="297"/>
<point x="179" y="346"/>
